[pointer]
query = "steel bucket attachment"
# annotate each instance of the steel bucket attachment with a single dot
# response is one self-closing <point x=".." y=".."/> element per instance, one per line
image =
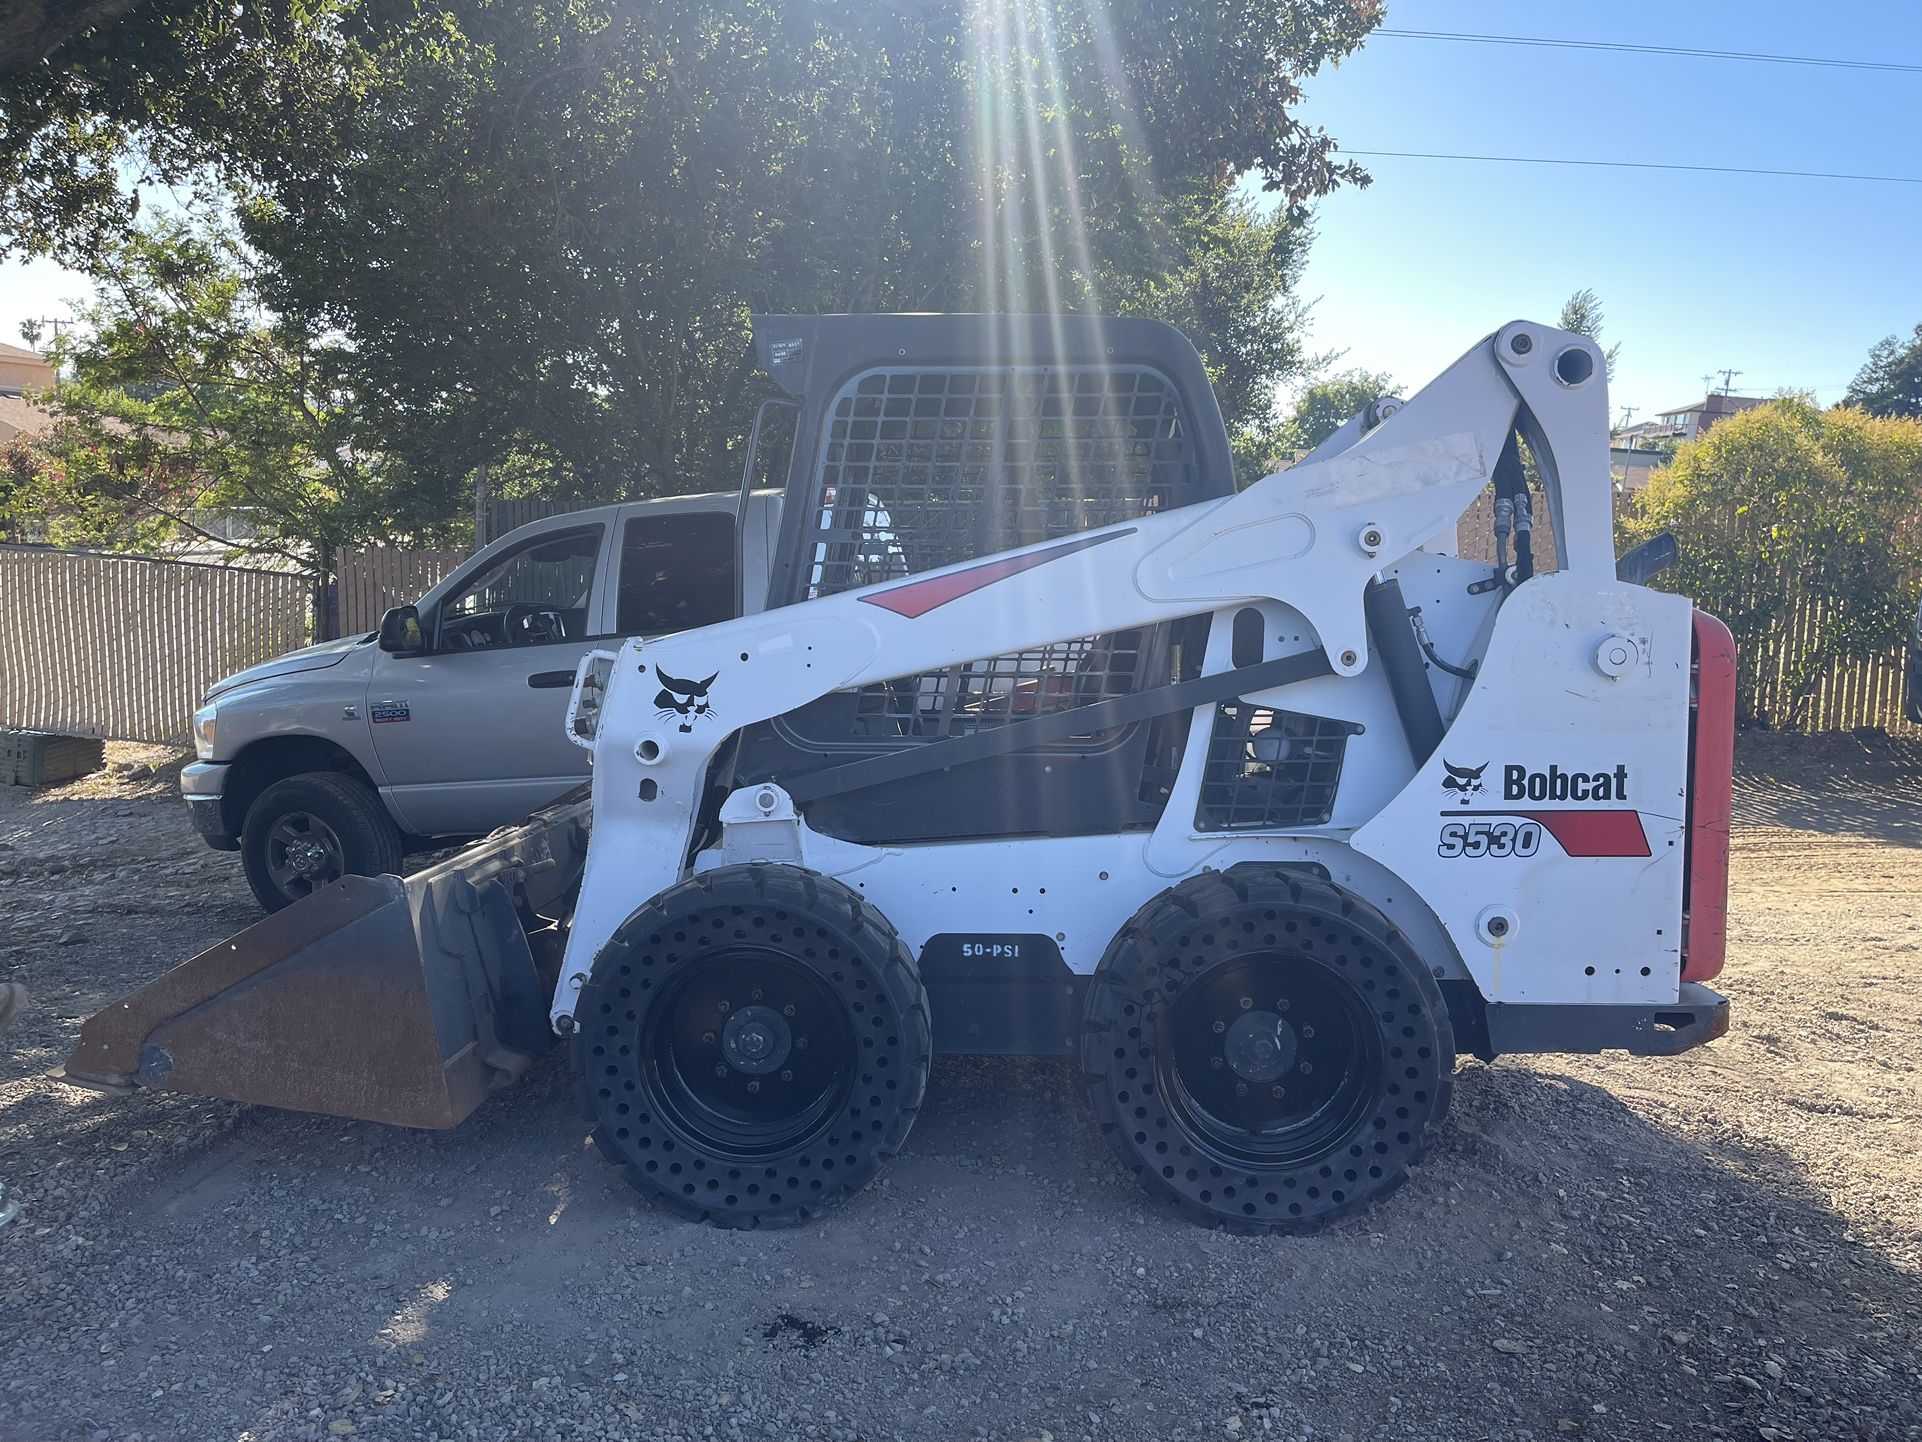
<point x="382" y="999"/>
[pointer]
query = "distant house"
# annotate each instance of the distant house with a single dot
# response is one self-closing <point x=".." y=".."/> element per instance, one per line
<point x="22" y="372"/>
<point x="1689" y="422"/>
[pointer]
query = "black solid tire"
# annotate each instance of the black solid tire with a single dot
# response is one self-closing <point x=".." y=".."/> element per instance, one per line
<point x="842" y="944"/>
<point x="370" y="842"/>
<point x="1209" y="921"/>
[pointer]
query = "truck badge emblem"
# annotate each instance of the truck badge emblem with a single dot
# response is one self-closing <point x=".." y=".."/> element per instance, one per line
<point x="1464" y="781"/>
<point x="685" y="699"/>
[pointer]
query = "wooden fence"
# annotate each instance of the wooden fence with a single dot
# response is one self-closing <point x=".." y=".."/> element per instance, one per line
<point x="374" y="578"/>
<point x="123" y="647"/>
<point x="1475" y="532"/>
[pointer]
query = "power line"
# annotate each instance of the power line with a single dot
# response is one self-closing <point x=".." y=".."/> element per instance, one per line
<point x="1638" y="165"/>
<point x="1632" y="49"/>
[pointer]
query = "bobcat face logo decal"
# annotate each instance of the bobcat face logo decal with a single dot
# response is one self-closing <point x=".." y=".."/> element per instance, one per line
<point x="683" y="700"/>
<point x="1462" y="781"/>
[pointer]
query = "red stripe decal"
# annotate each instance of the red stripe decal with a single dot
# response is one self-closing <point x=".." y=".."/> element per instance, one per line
<point x="1594" y="833"/>
<point x="917" y="598"/>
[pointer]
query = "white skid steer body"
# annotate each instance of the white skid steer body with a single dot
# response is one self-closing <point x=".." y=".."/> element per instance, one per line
<point x="1511" y="874"/>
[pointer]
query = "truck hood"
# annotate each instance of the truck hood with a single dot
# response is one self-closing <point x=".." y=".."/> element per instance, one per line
<point x="307" y="658"/>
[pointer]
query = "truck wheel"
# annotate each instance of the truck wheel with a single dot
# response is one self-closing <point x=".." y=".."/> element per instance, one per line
<point x="304" y="832"/>
<point x="753" y="1044"/>
<point x="1265" y="1049"/>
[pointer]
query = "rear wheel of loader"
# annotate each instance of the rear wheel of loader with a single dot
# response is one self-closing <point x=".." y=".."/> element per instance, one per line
<point x="1265" y="1049"/>
<point x="753" y="1044"/>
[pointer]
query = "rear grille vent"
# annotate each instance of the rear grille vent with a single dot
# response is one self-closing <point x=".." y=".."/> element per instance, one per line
<point x="1270" y="770"/>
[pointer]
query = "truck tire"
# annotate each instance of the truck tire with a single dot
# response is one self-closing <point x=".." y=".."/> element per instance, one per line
<point x="1265" y="1049"/>
<point x="753" y="1045"/>
<point x="312" y="829"/>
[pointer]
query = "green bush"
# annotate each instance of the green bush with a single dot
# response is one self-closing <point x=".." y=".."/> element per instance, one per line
<point x="1802" y="529"/>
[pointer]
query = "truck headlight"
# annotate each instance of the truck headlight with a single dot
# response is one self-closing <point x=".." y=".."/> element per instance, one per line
<point x="204" y="732"/>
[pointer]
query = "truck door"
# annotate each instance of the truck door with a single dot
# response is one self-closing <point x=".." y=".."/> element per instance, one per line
<point x="472" y="735"/>
<point x="470" y="731"/>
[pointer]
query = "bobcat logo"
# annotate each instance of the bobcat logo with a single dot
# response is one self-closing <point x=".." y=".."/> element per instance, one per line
<point x="1464" y="781"/>
<point x="686" y="700"/>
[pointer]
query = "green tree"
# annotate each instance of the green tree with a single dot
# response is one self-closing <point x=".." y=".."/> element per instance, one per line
<point x="1890" y="384"/>
<point x="539" y="229"/>
<point x="1325" y="405"/>
<point x="1582" y="313"/>
<point x="181" y="394"/>
<point x="1787" y="511"/>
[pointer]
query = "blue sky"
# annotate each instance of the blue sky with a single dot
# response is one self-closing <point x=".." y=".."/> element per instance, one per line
<point x="1788" y="281"/>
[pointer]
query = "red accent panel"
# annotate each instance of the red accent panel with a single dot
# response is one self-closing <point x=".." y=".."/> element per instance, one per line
<point x="917" y="598"/>
<point x="1711" y="797"/>
<point x="1594" y="833"/>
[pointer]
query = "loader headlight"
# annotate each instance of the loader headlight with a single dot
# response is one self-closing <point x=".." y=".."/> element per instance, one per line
<point x="204" y="732"/>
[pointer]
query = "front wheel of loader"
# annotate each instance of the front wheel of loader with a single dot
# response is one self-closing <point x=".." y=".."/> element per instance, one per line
<point x="1265" y="1049"/>
<point x="753" y="1044"/>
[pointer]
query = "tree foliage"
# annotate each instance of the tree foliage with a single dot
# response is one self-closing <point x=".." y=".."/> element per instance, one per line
<point x="1325" y="405"/>
<point x="1791" y="514"/>
<point x="538" y="228"/>
<point x="182" y="394"/>
<point x="1890" y="384"/>
<point x="1582" y="313"/>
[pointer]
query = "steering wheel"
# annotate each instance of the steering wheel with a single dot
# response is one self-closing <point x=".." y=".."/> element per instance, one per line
<point x="524" y="623"/>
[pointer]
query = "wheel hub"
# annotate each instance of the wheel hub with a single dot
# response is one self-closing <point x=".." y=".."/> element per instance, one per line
<point x="307" y="857"/>
<point x="1261" y="1046"/>
<point x="756" y="1040"/>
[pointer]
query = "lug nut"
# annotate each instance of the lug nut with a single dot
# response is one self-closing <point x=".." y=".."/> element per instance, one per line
<point x="753" y="1086"/>
<point x="800" y="1043"/>
<point x="1277" y="1092"/>
<point x="756" y="994"/>
<point x="1220" y="1027"/>
<point x="1247" y="1003"/>
<point x="1307" y="1067"/>
<point x="787" y="1076"/>
<point x="1241" y="1089"/>
<point x="707" y="1038"/>
<point x="1216" y="1062"/>
<point x="726" y="1007"/>
<point x="720" y="1068"/>
<point x="788" y="1010"/>
<point x="1307" y="1033"/>
<point x="1282" y="1005"/>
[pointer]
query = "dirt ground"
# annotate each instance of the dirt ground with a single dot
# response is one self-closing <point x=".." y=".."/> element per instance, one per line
<point x="1726" y="1244"/>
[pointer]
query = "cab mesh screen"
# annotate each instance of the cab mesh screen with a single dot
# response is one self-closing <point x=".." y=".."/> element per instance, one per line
<point x="926" y="468"/>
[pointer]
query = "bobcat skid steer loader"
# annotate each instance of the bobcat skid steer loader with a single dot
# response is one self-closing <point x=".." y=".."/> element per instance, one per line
<point x="1263" y="805"/>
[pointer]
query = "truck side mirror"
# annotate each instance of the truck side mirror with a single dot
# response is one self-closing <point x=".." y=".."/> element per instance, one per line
<point x="400" y="632"/>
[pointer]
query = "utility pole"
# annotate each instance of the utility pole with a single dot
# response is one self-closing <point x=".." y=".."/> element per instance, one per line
<point x="30" y="330"/>
<point x="1728" y="380"/>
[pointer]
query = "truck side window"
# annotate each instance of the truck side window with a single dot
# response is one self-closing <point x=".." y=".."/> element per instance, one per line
<point x="535" y="593"/>
<point x="677" y="572"/>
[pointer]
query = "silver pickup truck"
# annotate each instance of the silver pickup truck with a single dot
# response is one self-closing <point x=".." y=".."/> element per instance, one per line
<point x="449" y="721"/>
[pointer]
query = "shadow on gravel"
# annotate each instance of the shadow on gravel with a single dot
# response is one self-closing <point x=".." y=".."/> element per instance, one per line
<point x="1848" y="784"/>
<point x="1561" y="1266"/>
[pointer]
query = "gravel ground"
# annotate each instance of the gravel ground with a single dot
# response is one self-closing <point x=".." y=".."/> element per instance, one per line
<point x="1727" y="1244"/>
